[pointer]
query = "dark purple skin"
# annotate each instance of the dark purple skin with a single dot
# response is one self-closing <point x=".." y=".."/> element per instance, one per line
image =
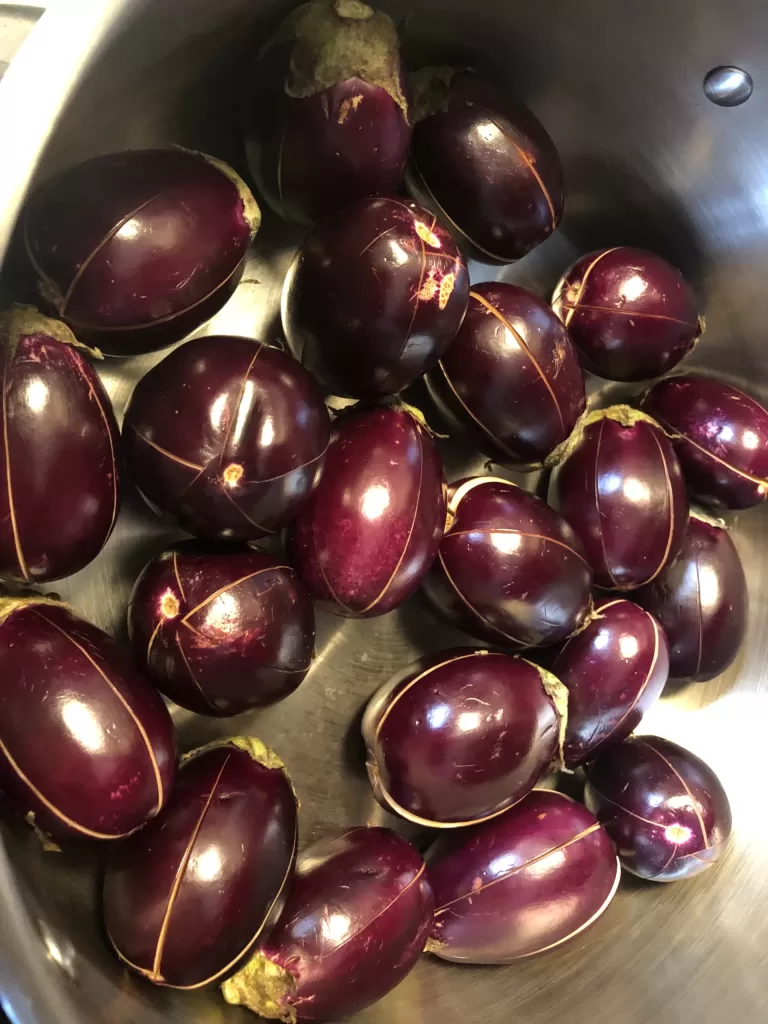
<point x="325" y="126"/>
<point x="462" y="735"/>
<point x="510" y="379"/>
<point x="358" y="914"/>
<point x="614" y="670"/>
<point x="484" y="163"/>
<point x="702" y="602"/>
<point x="374" y="297"/>
<point x="631" y="314"/>
<point x="509" y="569"/>
<point x="188" y="897"/>
<point x="522" y="883"/>
<point x="60" y="490"/>
<point x="720" y="436"/>
<point x="664" y="808"/>
<point x="136" y="249"/>
<point x="227" y="436"/>
<point x="622" y="491"/>
<point x="221" y="629"/>
<point x="87" y="746"/>
<point x="367" y="538"/>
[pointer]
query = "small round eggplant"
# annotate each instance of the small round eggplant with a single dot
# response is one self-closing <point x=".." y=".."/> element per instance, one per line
<point x="221" y="629"/>
<point x="509" y="569"/>
<point x="367" y="538"/>
<point x="59" y="494"/>
<point x="87" y="747"/>
<point x="227" y="436"/>
<point x="664" y="808"/>
<point x="614" y="669"/>
<point x="374" y="297"/>
<point x="720" y="436"/>
<point x="631" y="314"/>
<point x="484" y="163"/>
<point x="510" y="378"/>
<point x="187" y="898"/>
<point x="358" y="914"/>
<point x="622" y="491"/>
<point x="328" y="122"/>
<point x="522" y="883"/>
<point x="134" y="250"/>
<point x="702" y="602"/>
<point x="462" y="735"/>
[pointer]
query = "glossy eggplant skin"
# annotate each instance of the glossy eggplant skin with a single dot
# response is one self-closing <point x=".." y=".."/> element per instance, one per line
<point x="622" y="491"/>
<point x="509" y="569"/>
<point x="226" y="436"/>
<point x="187" y="898"/>
<point x="88" y="748"/>
<point x="134" y="250"/>
<point x="614" y="670"/>
<point x="720" y="436"/>
<point x="484" y="163"/>
<point x="220" y="629"/>
<point x="374" y="297"/>
<point x="323" y="127"/>
<point x="664" y="808"/>
<point x="702" y="602"/>
<point x="60" y="491"/>
<point x="521" y="883"/>
<point x="462" y="735"/>
<point x="631" y="314"/>
<point x="320" y="965"/>
<point x="366" y="539"/>
<point x="510" y="379"/>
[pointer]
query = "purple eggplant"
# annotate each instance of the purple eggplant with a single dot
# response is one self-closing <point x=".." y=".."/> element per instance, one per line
<point x="484" y="163"/>
<point x="367" y="538"/>
<point x="221" y="629"/>
<point x="374" y="297"/>
<point x="59" y="495"/>
<point x="462" y="735"/>
<point x="522" y="883"/>
<point x="358" y="914"/>
<point x="622" y="491"/>
<point x="614" y="670"/>
<point x="187" y="898"/>
<point x="328" y="119"/>
<point x="510" y="379"/>
<point x="87" y="747"/>
<point x="631" y="314"/>
<point x="227" y="436"/>
<point x="664" y="808"/>
<point x="134" y="250"/>
<point x="702" y="602"/>
<point x="720" y="436"/>
<point x="509" y="569"/>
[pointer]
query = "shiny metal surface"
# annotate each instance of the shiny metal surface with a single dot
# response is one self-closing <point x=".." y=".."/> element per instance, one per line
<point x="649" y="162"/>
<point x="728" y="86"/>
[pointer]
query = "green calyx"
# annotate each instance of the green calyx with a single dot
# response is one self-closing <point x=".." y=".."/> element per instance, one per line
<point x="558" y="694"/>
<point x="253" y="747"/>
<point x="20" y="321"/>
<point x="334" y="40"/>
<point x="264" y="988"/>
<point x="430" y="90"/>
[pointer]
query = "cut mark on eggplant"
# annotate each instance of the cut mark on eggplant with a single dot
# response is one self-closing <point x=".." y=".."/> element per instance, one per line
<point x="475" y="612"/>
<point x="9" y="483"/>
<point x="629" y="312"/>
<point x="238" y="402"/>
<point x="465" y="407"/>
<point x="155" y="631"/>
<point x="583" y="285"/>
<point x="193" y="677"/>
<point x="178" y="577"/>
<point x="760" y="481"/>
<point x="683" y="783"/>
<point x="108" y="430"/>
<point x="530" y="164"/>
<point x="230" y="586"/>
<point x="671" y="513"/>
<point x="168" y="455"/>
<point x="623" y="809"/>
<point x="417" y="298"/>
<point x="700" y="628"/>
<point x="489" y="532"/>
<point x="606" y="563"/>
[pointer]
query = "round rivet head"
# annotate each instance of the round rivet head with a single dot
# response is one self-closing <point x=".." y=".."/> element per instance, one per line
<point x="728" y="86"/>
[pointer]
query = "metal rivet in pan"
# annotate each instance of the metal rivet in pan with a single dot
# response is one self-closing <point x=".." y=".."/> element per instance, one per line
<point x="728" y="86"/>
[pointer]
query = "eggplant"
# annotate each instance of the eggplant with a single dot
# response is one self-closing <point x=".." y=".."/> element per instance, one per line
<point x="60" y="492"/>
<point x="522" y="883"/>
<point x="368" y="536"/>
<point x="134" y="250"/>
<point x="87" y="748"/>
<point x="221" y="629"/>
<point x="462" y="735"/>
<point x="227" y="437"/>
<point x="188" y="897"/>
<point x="358" y="914"/>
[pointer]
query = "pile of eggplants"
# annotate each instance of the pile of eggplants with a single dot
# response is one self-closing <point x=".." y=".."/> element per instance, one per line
<point x="586" y="601"/>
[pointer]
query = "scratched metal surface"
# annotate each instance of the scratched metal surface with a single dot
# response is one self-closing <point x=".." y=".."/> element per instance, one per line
<point x="648" y="161"/>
